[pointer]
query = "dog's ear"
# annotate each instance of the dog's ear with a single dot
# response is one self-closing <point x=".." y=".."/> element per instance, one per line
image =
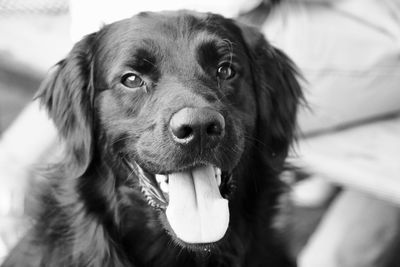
<point x="67" y="94"/>
<point x="278" y="94"/>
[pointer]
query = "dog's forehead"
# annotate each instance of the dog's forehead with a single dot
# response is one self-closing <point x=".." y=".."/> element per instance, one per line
<point x="172" y="25"/>
<point x="171" y="32"/>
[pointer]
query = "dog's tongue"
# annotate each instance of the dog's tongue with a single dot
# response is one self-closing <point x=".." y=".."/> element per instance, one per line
<point x="196" y="211"/>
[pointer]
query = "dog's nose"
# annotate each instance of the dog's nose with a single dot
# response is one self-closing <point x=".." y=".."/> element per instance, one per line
<point x="197" y="125"/>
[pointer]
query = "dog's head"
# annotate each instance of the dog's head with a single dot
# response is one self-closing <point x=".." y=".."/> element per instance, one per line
<point x="174" y="105"/>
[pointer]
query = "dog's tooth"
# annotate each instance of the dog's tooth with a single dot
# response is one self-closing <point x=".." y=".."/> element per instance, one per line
<point x="164" y="187"/>
<point x="218" y="171"/>
<point x="218" y="175"/>
<point x="161" y="178"/>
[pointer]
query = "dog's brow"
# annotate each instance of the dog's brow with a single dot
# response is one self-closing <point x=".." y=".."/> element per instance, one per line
<point x="212" y="50"/>
<point x="225" y="47"/>
<point x="144" y="60"/>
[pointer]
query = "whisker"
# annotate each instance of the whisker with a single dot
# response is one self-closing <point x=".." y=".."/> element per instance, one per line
<point x="252" y="138"/>
<point x="119" y="140"/>
<point x="148" y="61"/>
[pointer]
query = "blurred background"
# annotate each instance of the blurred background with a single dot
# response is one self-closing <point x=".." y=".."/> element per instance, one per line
<point x="347" y="158"/>
<point x="34" y="36"/>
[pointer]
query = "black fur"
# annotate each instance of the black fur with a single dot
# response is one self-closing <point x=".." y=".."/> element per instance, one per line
<point x="93" y="212"/>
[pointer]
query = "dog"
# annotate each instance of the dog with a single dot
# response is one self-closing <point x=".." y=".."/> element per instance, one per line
<point x="177" y="126"/>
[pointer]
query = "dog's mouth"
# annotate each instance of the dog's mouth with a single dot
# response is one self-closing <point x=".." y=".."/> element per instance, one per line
<point x="194" y="200"/>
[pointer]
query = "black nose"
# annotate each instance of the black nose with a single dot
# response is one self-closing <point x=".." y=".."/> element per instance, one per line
<point x="202" y="126"/>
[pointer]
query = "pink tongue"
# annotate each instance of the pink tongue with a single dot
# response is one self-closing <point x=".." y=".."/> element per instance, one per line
<point x="196" y="211"/>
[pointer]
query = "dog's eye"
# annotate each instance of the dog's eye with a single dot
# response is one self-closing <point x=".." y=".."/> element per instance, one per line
<point x="132" y="80"/>
<point x="225" y="72"/>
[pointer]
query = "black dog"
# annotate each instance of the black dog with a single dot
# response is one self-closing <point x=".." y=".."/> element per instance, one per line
<point x="177" y="126"/>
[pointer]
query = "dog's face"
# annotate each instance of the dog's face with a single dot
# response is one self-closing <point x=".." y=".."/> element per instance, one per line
<point x="176" y="101"/>
<point x="178" y="96"/>
<point x="175" y="104"/>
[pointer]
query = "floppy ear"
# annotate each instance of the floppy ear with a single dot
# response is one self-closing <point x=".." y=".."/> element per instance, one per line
<point x="67" y="94"/>
<point x="278" y="94"/>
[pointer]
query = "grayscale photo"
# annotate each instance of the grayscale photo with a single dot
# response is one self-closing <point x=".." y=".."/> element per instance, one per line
<point x="200" y="133"/>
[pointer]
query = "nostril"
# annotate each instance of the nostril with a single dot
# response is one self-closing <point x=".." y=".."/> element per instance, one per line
<point x="201" y="126"/>
<point x="182" y="132"/>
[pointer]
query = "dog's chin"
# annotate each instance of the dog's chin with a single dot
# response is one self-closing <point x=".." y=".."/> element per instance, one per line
<point x="192" y="203"/>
